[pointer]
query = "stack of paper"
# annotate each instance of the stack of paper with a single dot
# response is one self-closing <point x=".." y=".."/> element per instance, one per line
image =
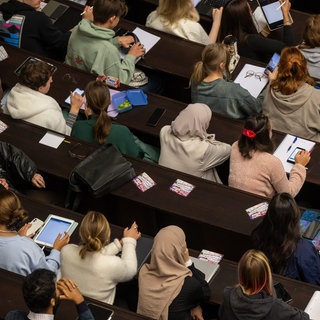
<point x="313" y="307"/>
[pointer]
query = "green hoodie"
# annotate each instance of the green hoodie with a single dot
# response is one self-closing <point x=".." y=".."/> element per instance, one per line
<point x="94" y="49"/>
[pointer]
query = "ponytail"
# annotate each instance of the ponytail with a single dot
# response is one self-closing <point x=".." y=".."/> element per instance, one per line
<point x="198" y="74"/>
<point x="102" y="127"/>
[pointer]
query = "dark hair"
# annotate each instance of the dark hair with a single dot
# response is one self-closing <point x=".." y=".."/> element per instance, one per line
<point x="278" y="233"/>
<point x="11" y="212"/>
<point x="236" y="20"/>
<point x="292" y="71"/>
<point x="311" y="34"/>
<point x="105" y="9"/>
<point x="260" y="125"/>
<point x="98" y="99"/>
<point x="38" y="289"/>
<point x="35" y="74"/>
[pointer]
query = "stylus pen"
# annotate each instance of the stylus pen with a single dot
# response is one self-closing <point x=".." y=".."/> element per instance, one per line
<point x="293" y="142"/>
<point x="81" y="14"/>
<point x="281" y="5"/>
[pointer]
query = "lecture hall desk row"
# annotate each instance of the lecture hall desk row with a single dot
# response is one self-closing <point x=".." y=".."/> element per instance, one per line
<point x="226" y="276"/>
<point x="139" y="13"/>
<point x="67" y="78"/>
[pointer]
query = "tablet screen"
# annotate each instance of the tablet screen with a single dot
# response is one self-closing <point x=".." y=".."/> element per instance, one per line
<point x="272" y="12"/>
<point x="52" y="227"/>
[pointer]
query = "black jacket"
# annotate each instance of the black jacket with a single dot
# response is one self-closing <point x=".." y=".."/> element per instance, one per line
<point x="15" y="166"/>
<point x="39" y="34"/>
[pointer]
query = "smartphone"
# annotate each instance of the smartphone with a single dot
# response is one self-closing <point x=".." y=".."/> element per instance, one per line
<point x="312" y="230"/>
<point x="155" y="117"/>
<point x="282" y="293"/>
<point x="272" y="64"/>
<point x="272" y="12"/>
<point x="36" y="224"/>
<point x="293" y="154"/>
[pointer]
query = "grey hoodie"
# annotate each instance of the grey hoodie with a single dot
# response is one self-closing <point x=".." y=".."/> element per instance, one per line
<point x="313" y="59"/>
<point x="239" y="306"/>
<point x="297" y="113"/>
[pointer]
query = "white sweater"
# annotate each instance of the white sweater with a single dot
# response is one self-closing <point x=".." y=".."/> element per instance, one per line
<point x="35" y="107"/>
<point x="99" y="272"/>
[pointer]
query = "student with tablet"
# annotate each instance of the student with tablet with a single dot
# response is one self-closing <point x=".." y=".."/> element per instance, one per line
<point x="19" y="253"/>
<point x="237" y="20"/>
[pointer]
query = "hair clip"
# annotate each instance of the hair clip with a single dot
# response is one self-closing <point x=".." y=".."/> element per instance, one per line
<point x="248" y="133"/>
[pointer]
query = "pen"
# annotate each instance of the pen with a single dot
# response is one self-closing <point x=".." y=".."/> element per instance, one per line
<point x="81" y="14"/>
<point x="293" y="142"/>
<point x="281" y="5"/>
<point x="66" y="141"/>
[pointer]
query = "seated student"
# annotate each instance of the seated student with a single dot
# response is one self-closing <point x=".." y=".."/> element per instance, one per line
<point x="278" y="236"/>
<point x="93" y="46"/>
<point x="253" y="297"/>
<point x="28" y="99"/>
<point x="255" y="169"/>
<point x="94" y="264"/>
<point x="19" y="253"/>
<point x="42" y="294"/>
<point x="209" y="86"/>
<point x="99" y="129"/>
<point x="170" y="287"/>
<point x="186" y="146"/>
<point x="310" y="46"/>
<point x="237" y="20"/>
<point x="16" y="169"/>
<point x="181" y="18"/>
<point x="291" y="102"/>
<point x="38" y="33"/>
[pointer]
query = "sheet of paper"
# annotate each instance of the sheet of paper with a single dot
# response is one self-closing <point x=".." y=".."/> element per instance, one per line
<point x="146" y="38"/>
<point x="79" y="91"/>
<point x="259" y="20"/>
<point x="287" y="146"/>
<point x="52" y="140"/>
<point x="313" y="307"/>
<point x="252" y="78"/>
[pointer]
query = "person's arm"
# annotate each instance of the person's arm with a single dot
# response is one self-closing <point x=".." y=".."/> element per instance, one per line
<point x="297" y="175"/>
<point x="17" y="162"/>
<point x="216" y="17"/>
<point x="76" y="101"/>
<point x="216" y="153"/>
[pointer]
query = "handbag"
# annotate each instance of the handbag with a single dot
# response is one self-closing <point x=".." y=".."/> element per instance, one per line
<point x="101" y="172"/>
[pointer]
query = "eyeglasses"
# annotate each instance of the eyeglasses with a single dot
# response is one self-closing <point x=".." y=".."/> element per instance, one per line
<point x="257" y="75"/>
<point x="78" y="151"/>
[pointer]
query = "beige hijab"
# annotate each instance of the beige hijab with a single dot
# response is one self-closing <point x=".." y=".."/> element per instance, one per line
<point x="161" y="280"/>
<point x="193" y="121"/>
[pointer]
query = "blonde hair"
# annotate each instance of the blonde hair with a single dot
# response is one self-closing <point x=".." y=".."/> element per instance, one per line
<point x="173" y="11"/>
<point x="211" y="58"/>
<point x="94" y="232"/>
<point x="254" y="273"/>
<point x="12" y="215"/>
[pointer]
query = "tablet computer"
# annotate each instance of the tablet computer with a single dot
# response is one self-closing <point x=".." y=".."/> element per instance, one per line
<point x="272" y="12"/>
<point x="18" y="70"/>
<point x="52" y="227"/>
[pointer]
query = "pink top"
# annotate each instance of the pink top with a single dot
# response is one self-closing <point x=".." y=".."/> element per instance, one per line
<point x="263" y="174"/>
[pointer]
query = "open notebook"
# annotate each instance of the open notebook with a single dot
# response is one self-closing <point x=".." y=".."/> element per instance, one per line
<point x="313" y="307"/>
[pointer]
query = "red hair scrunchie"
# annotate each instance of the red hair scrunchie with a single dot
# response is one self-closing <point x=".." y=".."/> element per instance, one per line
<point x="248" y="133"/>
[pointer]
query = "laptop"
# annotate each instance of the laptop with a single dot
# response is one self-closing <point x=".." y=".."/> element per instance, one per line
<point x="54" y="10"/>
<point x="205" y="7"/>
<point x="208" y="268"/>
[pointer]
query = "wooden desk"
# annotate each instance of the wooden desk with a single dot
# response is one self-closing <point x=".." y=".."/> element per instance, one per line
<point x="10" y="283"/>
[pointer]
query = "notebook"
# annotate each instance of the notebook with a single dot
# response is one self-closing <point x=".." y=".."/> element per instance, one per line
<point x="54" y="10"/>
<point x="52" y="227"/>
<point x="208" y="268"/>
<point x="313" y="307"/>
<point x="205" y="7"/>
